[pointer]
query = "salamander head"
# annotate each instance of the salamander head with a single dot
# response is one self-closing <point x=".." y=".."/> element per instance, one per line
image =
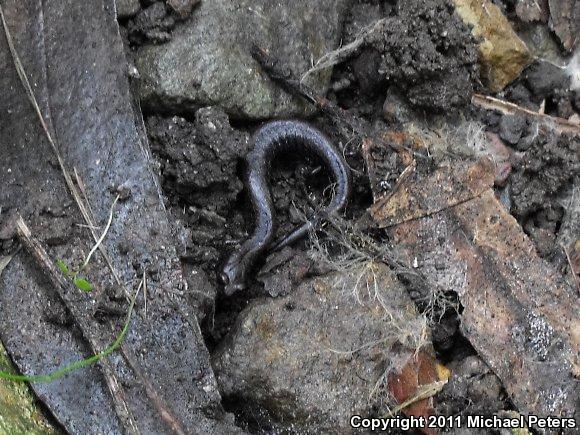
<point x="233" y="275"/>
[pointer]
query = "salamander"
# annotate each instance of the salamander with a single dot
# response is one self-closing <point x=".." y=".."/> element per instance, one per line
<point x="270" y="140"/>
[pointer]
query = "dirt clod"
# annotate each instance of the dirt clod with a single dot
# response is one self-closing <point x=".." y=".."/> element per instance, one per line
<point x="429" y="53"/>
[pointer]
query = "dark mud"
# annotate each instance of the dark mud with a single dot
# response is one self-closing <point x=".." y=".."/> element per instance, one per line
<point x="422" y="52"/>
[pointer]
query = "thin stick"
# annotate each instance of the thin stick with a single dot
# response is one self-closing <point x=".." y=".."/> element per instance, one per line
<point x="72" y="300"/>
<point x="425" y="392"/>
<point x="347" y="123"/>
<point x="507" y="108"/>
<point x="83" y="190"/>
<point x="145" y="293"/>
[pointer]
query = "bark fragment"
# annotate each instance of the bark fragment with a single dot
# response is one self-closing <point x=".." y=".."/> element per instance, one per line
<point x="519" y="312"/>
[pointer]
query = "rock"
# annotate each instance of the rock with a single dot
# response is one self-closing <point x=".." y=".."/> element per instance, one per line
<point x="573" y="70"/>
<point x="316" y="357"/>
<point x="565" y="21"/>
<point x="208" y="61"/>
<point x="503" y="55"/>
<point x="541" y="43"/>
<point x="182" y="7"/>
<point x="127" y="8"/>
<point x="511" y="128"/>
<point x="396" y="108"/>
<point x="501" y="155"/>
<point x="521" y="95"/>
<point x="543" y="78"/>
<point x="533" y="10"/>
<point x="366" y="71"/>
<point x="361" y="15"/>
<point x="543" y="239"/>
<point x="570" y="225"/>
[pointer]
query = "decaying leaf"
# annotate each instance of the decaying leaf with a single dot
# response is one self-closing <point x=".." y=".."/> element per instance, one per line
<point x="450" y="185"/>
<point x="420" y="370"/>
<point x="519" y="312"/>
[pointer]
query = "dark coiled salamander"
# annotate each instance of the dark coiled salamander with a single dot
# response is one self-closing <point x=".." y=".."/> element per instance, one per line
<point x="269" y="140"/>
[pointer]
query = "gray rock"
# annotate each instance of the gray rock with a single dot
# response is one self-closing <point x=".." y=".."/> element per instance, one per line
<point x="511" y="128"/>
<point x="127" y="8"/>
<point x="207" y="61"/>
<point x="543" y="78"/>
<point x="533" y="10"/>
<point x="312" y="359"/>
<point x="396" y="108"/>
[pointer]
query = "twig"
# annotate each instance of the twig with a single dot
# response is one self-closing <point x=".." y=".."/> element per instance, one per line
<point x="73" y="299"/>
<point x="507" y="108"/>
<point x="89" y="219"/>
<point x="83" y="190"/>
<point x="347" y="124"/>
<point x="425" y="392"/>
<point x="145" y="292"/>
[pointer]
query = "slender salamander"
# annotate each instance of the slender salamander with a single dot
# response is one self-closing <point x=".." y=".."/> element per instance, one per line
<point x="271" y="139"/>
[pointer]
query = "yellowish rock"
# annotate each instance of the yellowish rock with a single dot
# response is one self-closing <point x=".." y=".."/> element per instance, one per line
<point x="503" y="55"/>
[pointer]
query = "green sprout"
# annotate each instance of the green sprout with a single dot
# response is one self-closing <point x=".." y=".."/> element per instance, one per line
<point x="80" y="283"/>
